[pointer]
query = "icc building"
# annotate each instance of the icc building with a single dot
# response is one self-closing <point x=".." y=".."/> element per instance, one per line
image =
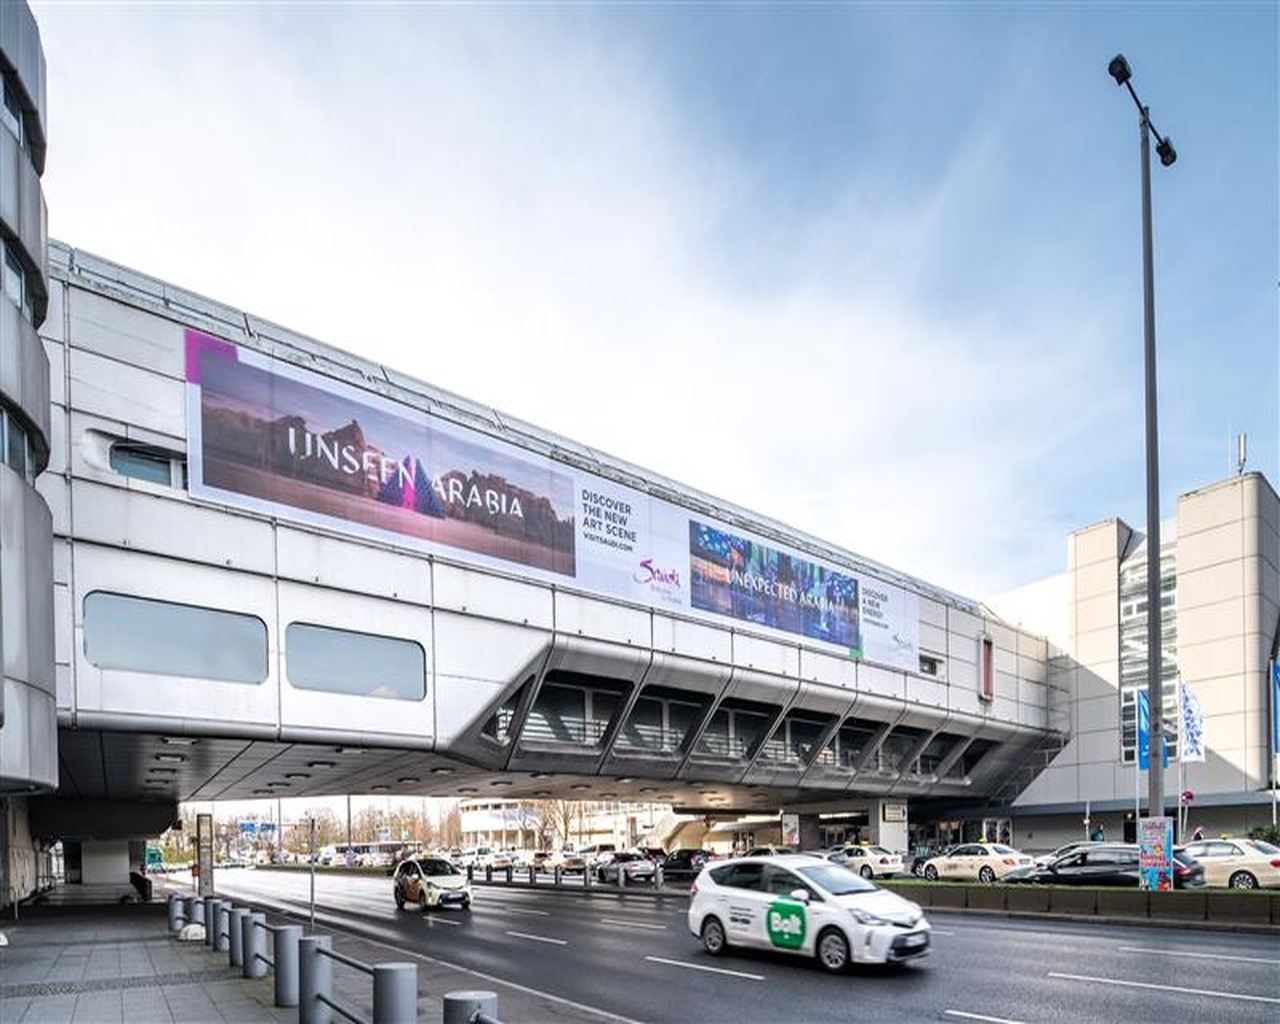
<point x="238" y="563"/>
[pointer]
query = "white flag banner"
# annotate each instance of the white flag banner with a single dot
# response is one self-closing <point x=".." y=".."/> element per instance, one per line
<point x="1192" y="746"/>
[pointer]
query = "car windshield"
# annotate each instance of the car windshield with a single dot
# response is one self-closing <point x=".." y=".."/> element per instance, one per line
<point x="1001" y="849"/>
<point x="436" y="868"/>
<point x="837" y="880"/>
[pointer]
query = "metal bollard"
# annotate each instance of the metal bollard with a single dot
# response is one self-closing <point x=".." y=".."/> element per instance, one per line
<point x="254" y="944"/>
<point x="555" y="874"/>
<point x="175" y="913"/>
<point x="197" y="911"/>
<point x="471" y="870"/>
<point x="509" y="874"/>
<point x="461" y="1007"/>
<point x="658" y="880"/>
<point x="315" y="979"/>
<point x="586" y="876"/>
<point x="395" y="993"/>
<point x="189" y="904"/>
<point x="533" y="875"/>
<point x="488" y="872"/>
<point x="622" y="877"/>
<point x="211" y="906"/>
<point x="286" y="957"/>
<point x="222" y="928"/>
<point x="235" y="930"/>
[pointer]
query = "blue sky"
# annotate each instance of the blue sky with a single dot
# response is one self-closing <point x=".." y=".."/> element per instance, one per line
<point x="872" y="270"/>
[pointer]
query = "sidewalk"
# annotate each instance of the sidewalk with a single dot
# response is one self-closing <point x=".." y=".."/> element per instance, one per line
<point x="87" y="958"/>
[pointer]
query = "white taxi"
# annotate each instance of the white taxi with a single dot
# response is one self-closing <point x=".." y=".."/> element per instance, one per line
<point x="797" y="903"/>
<point x="1238" y="862"/>
<point x="980" y="862"/>
<point x="872" y="861"/>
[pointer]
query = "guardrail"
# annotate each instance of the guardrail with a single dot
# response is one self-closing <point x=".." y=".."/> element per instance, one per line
<point x="303" y="966"/>
<point x="395" y="986"/>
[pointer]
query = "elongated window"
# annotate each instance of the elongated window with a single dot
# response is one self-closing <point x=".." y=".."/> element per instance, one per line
<point x="363" y="664"/>
<point x="139" y="634"/>
<point x="147" y="462"/>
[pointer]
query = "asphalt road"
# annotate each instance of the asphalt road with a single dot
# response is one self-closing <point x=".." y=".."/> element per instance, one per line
<point x="633" y="956"/>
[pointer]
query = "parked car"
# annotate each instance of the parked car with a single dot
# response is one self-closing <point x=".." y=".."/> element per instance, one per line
<point x="685" y="863"/>
<point x="872" y="861"/>
<point x="1106" y="864"/>
<point x="1090" y="863"/>
<point x="976" y="862"/>
<point x="631" y="863"/>
<point x="922" y="854"/>
<point x="768" y="850"/>
<point x="570" y="862"/>
<point x="1238" y="862"/>
<point x="1062" y="851"/>
<point x="804" y="905"/>
<point x="598" y="853"/>
<point x="431" y="882"/>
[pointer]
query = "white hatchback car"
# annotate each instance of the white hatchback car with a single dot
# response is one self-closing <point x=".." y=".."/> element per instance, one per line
<point x="801" y="904"/>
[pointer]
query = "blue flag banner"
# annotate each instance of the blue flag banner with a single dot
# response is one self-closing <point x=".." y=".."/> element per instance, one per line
<point x="1192" y="747"/>
<point x="1144" y="735"/>
<point x="1275" y="707"/>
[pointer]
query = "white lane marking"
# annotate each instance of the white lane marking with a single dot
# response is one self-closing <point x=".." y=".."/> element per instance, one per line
<point x="700" y="967"/>
<point x="634" y="924"/>
<point x="538" y="938"/>
<point x="522" y="910"/>
<point x="1200" y="956"/>
<point x="978" y="1016"/>
<point x="432" y="919"/>
<point x="1166" y="988"/>
<point x="939" y="931"/>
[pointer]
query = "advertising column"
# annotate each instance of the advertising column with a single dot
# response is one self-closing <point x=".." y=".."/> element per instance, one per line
<point x="1155" y="853"/>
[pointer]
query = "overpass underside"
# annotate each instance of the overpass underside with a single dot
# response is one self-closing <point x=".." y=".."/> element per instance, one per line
<point x="257" y="596"/>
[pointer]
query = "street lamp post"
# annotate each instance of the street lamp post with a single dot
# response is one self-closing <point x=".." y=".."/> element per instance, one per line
<point x="1120" y="71"/>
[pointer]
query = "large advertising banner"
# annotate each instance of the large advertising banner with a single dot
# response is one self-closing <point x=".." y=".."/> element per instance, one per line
<point x="275" y="438"/>
<point x="1155" y="854"/>
<point x="268" y="434"/>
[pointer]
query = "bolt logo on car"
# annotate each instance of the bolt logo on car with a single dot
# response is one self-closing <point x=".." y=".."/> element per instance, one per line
<point x="786" y="924"/>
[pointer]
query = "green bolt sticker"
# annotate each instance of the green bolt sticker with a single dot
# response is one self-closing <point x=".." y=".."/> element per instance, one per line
<point x="786" y="923"/>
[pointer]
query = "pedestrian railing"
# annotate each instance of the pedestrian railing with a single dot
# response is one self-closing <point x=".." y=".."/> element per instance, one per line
<point x="302" y="965"/>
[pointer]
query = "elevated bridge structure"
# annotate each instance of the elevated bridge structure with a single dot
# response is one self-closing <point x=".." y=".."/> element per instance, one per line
<point x="283" y="571"/>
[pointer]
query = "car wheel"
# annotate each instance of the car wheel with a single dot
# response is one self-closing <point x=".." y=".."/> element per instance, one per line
<point x="1243" y="880"/>
<point x="466" y="904"/>
<point x="930" y="872"/>
<point x="833" y="951"/>
<point x="422" y="899"/>
<point x="986" y="876"/>
<point x="713" y="937"/>
<point x="866" y="871"/>
<point x="917" y="868"/>
<point x="399" y="902"/>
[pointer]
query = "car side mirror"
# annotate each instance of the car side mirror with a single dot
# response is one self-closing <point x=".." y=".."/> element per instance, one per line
<point x="802" y="895"/>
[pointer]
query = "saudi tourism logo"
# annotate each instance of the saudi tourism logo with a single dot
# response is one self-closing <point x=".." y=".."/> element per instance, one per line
<point x="786" y="924"/>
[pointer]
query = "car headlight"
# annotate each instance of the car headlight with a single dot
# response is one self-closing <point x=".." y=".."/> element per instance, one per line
<point x="862" y="917"/>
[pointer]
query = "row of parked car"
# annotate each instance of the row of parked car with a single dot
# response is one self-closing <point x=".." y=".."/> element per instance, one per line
<point x="1235" y="862"/>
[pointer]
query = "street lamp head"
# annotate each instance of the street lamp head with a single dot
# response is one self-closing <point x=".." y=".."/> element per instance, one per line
<point x="1119" y="69"/>
<point x="1166" y="152"/>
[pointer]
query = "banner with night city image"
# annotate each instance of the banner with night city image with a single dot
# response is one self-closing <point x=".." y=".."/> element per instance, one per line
<point x="751" y="582"/>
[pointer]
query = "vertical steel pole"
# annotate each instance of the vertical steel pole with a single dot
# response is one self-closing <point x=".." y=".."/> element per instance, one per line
<point x="1155" y="695"/>
<point x="313" y="874"/>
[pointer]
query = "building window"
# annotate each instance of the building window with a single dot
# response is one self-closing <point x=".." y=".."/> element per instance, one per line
<point x="15" y="447"/>
<point x="658" y="724"/>
<point x="12" y="114"/>
<point x="15" y="285"/>
<point x="146" y="462"/>
<point x="362" y="664"/>
<point x="928" y="665"/>
<point x="137" y="634"/>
